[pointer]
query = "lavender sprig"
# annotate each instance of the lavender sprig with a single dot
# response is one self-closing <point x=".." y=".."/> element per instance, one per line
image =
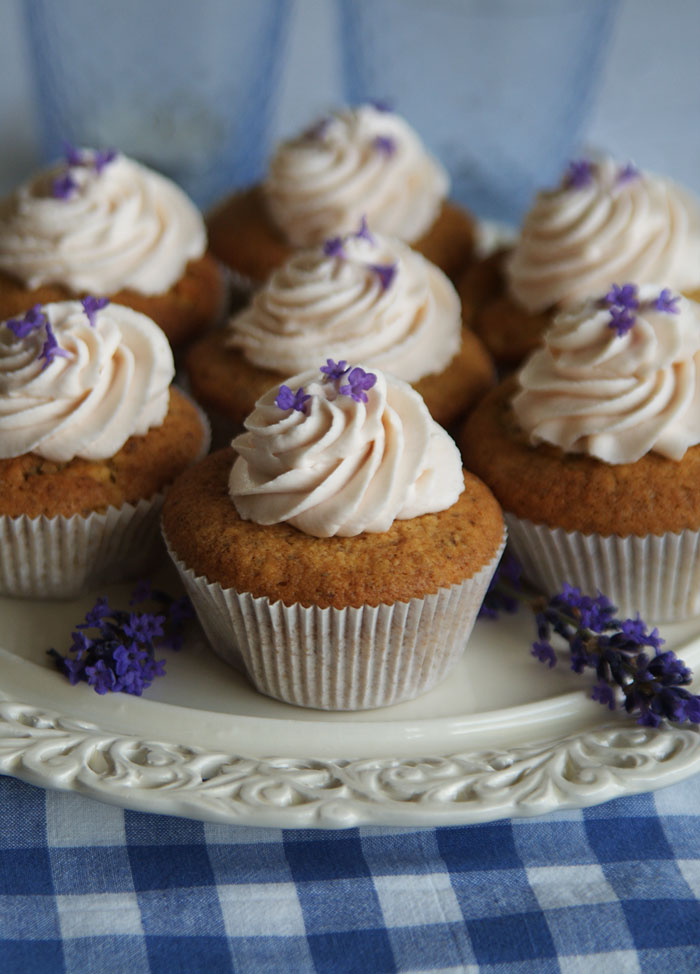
<point x="119" y="652"/>
<point x="650" y="686"/>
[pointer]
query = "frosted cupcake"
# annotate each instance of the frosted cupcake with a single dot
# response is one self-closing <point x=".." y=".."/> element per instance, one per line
<point x="356" y="298"/>
<point x="360" y="161"/>
<point x="605" y="222"/>
<point x="340" y="554"/>
<point x="593" y="452"/>
<point x="100" y="223"/>
<point x="91" y="434"/>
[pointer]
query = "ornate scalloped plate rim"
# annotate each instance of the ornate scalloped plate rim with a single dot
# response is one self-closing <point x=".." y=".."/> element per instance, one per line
<point x="56" y="750"/>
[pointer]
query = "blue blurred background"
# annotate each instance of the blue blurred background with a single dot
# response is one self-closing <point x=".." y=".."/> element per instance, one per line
<point x="643" y="102"/>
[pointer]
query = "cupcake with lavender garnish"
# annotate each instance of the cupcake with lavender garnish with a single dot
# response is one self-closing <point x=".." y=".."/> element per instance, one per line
<point x="606" y="221"/>
<point x="360" y="297"/>
<point x="363" y="160"/>
<point x="338" y="554"/>
<point x="101" y="223"/>
<point x="593" y="450"/>
<point x="91" y="434"/>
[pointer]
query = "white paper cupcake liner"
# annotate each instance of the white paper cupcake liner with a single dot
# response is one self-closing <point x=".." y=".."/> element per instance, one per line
<point x="339" y="659"/>
<point x="657" y="576"/>
<point x="62" y="557"/>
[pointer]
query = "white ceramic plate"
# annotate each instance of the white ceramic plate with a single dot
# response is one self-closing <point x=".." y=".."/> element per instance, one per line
<point x="502" y="736"/>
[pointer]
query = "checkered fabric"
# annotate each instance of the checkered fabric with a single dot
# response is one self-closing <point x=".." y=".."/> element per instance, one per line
<point x="87" y="888"/>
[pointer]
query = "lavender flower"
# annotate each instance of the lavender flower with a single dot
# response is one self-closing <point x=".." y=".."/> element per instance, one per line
<point x="286" y="399"/>
<point x="334" y="370"/>
<point x="385" y="144"/>
<point x="625" y="296"/>
<point x="73" y="156"/>
<point x="33" y="319"/>
<point x="579" y="174"/>
<point x="385" y="272"/>
<point x="333" y="247"/>
<point x="63" y="187"/>
<point x="102" y="158"/>
<point x="358" y="384"/>
<point x="120" y="656"/>
<point x="667" y="302"/>
<point x="652" y="687"/>
<point x="92" y="305"/>
<point x="51" y="349"/>
<point x="363" y="233"/>
<point x="627" y="174"/>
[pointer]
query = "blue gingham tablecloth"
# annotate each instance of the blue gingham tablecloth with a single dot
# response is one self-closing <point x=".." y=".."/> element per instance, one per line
<point x="87" y="888"/>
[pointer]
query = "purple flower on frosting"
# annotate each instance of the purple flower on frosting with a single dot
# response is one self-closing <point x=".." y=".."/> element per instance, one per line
<point x="333" y="247"/>
<point x="51" y="349"/>
<point x="385" y="273"/>
<point x="667" y="302"/>
<point x="359" y="382"/>
<point x="381" y="105"/>
<point x="102" y="158"/>
<point x="334" y="370"/>
<point x="286" y="399"/>
<point x="63" y="187"/>
<point x="363" y="233"/>
<point x="621" y="320"/>
<point x="91" y="305"/>
<point x="579" y="174"/>
<point x="625" y="296"/>
<point x="73" y="156"/>
<point x="34" y="318"/>
<point x="627" y="174"/>
<point x="385" y="144"/>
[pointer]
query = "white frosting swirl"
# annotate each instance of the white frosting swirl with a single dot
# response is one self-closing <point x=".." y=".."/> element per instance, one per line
<point x="317" y="306"/>
<point x="124" y="227"/>
<point x="112" y="384"/>
<point x="577" y="239"/>
<point x="589" y="390"/>
<point x="322" y="182"/>
<point x="344" y="467"/>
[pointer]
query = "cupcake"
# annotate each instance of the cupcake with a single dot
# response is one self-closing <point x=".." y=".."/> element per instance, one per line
<point x="605" y="222"/>
<point x="593" y="451"/>
<point x="355" y="162"/>
<point x="102" y="224"/>
<point x="91" y="434"/>
<point x="338" y="554"/>
<point x="357" y="298"/>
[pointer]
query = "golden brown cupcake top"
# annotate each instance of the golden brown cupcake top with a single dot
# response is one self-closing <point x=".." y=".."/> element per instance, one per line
<point x="412" y="559"/>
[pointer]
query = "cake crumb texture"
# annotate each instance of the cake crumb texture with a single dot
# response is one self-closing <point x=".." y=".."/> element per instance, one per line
<point x="574" y="491"/>
<point x="32" y="485"/>
<point x="414" y="558"/>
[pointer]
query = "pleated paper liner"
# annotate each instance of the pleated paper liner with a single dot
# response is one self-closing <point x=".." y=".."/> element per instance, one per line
<point x="339" y="659"/>
<point x="63" y="557"/>
<point x="657" y="576"/>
